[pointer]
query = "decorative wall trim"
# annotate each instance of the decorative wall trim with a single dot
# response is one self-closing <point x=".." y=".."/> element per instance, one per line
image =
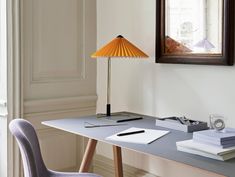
<point x="60" y="104"/>
<point x="14" y="86"/>
<point x="37" y="72"/>
<point x="105" y="167"/>
<point x="37" y="111"/>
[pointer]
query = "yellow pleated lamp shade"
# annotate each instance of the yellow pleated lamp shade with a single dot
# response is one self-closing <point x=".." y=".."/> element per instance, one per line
<point x="120" y="47"/>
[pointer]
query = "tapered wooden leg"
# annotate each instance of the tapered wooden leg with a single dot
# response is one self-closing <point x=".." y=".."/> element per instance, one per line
<point x="87" y="158"/>
<point x="117" y="154"/>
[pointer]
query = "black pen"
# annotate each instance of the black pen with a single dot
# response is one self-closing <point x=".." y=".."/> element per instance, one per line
<point x="131" y="133"/>
<point x="103" y="125"/>
<point x="129" y="119"/>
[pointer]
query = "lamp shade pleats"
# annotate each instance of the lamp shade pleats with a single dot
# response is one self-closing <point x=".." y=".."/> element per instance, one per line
<point x="120" y="47"/>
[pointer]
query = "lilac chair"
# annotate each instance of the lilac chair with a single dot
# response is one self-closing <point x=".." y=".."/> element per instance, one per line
<point x="33" y="164"/>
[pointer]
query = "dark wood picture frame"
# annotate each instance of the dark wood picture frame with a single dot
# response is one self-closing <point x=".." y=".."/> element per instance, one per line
<point x="227" y="57"/>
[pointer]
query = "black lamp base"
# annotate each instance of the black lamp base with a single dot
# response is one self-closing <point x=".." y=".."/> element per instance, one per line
<point x="108" y="110"/>
<point x="108" y="113"/>
<point x="118" y="116"/>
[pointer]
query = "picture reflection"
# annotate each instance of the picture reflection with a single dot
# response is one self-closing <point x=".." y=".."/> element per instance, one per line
<point x="193" y="27"/>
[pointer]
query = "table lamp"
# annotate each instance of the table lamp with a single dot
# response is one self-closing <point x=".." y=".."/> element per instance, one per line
<point x="117" y="48"/>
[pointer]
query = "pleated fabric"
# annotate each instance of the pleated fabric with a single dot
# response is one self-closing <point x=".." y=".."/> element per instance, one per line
<point x="120" y="47"/>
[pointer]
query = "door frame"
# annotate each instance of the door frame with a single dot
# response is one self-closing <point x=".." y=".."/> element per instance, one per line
<point x="14" y="80"/>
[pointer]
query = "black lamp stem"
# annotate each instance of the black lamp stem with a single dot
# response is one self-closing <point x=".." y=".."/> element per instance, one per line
<point x="108" y="106"/>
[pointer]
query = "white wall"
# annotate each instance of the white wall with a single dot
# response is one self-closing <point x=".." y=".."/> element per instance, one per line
<point x="157" y="89"/>
<point x="3" y="50"/>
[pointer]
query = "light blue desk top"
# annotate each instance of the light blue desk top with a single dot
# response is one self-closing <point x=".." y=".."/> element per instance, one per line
<point x="164" y="147"/>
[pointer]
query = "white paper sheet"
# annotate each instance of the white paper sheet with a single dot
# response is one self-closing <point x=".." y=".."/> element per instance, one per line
<point x="147" y="137"/>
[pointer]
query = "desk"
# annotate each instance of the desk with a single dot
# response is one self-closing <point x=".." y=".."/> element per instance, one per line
<point x="164" y="147"/>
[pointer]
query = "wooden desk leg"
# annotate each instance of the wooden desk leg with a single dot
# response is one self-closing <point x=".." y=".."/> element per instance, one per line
<point x="87" y="158"/>
<point x="117" y="154"/>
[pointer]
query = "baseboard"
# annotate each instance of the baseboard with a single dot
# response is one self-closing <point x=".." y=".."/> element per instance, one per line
<point x="105" y="167"/>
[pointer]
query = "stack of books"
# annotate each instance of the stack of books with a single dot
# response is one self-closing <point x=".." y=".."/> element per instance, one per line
<point x="210" y="143"/>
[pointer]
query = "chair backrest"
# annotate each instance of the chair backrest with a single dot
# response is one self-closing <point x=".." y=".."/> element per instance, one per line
<point x="27" y="140"/>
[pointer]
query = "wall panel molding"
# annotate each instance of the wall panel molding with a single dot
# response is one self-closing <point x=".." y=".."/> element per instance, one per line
<point x="59" y="104"/>
<point x="37" y="111"/>
<point x="59" y="78"/>
<point x="58" y="53"/>
<point x="58" y="37"/>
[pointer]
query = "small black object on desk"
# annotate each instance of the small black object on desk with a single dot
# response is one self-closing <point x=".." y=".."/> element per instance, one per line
<point x="129" y="119"/>
<point x="120" y="117"/>
<point x="131" y="133"/>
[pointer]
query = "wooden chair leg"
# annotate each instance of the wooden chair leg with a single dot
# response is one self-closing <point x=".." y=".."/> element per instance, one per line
<point x="117" y="154"/>
<point x="89" y="153"/>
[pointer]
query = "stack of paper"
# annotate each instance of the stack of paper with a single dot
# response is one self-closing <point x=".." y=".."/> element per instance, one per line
<point x="205" y="150"/>
<point x="223" y="139"/>
<point x="210" y="143"/>
<point x="147" y="137"/>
